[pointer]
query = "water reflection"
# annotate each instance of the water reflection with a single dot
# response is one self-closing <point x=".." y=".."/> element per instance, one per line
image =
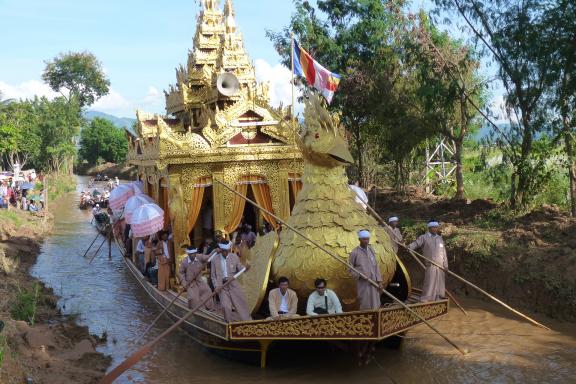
<point x="107" y="299"/>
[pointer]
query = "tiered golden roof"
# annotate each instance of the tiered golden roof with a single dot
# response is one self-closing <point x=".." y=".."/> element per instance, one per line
<point x="210" y="135"/>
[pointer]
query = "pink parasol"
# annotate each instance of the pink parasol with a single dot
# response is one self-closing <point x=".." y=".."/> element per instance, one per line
<point x="119" y="196"/>
<point x="133" y="203"/>
<point x="147" y="219"/>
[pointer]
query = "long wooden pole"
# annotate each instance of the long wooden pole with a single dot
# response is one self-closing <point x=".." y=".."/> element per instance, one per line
<point x="526" y="317"/>
<point x="138" y="355"/>
<point x="337" y="258"/>
<point x="91" y="244"/>
<point x="98" y="250"/>
<point x="381" y="220"/>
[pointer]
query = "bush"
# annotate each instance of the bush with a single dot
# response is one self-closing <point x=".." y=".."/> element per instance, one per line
<point x="24" y="308"/>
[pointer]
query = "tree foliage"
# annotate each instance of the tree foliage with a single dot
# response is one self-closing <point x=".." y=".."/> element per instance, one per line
<point x="77" y="76"/>
<point x="386" y="93"/>
<point x="102" y="140"/>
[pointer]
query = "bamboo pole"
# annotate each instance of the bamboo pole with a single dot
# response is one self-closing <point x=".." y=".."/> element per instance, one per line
<point x="91" y="244"/>
<point x="98" y="250"/>
<point x="525" y="317"/>
<point x="138" y="355"/>
<point x="337" y="258"/>
<point x="381" y="220"/>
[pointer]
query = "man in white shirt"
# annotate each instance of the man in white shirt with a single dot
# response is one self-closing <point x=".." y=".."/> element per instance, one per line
<point x="323" y="300"/>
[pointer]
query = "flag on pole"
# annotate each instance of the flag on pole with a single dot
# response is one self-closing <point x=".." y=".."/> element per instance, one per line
<point x="316" y="75"/>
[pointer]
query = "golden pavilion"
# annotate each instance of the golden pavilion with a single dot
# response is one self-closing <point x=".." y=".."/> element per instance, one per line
<point x="219" y="126"/>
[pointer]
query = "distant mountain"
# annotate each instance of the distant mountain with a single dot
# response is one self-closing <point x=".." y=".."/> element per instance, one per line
<point x="120" y="122"/>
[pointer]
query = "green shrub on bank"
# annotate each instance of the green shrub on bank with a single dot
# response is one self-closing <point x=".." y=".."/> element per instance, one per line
<point x="24" y="307"/>
<point x="11" y="217"/>
<point x="59" y="184"/>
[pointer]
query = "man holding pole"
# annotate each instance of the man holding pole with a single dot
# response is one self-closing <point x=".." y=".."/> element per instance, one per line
<point x="224" y="265"/>
<point x="191" y="276"/>
<point x="433" y="248"/>
<point x="363" y="259"/>
<point x="394" y="232"/>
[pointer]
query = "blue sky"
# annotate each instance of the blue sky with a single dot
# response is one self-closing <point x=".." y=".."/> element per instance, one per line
<point x="138" y="42"/>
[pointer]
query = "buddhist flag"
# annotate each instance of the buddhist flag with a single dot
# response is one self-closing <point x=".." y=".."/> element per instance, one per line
<point x="316" y="75"/>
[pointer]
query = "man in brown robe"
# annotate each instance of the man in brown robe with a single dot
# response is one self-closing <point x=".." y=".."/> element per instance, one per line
<point x="163" y="262"/>
<point x="282" y="301"/>
<point x="394" y="232"/>
<point x="363" y="258"/>
<point x="433" y="249"/>
<point x="191" y="276"/>
<point x="223" y="267"/>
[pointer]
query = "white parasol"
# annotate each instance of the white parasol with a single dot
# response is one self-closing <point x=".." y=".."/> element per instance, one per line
<point x="147" y="219"/>
<point x="119" y="196"/>
<point x="133" y="203"/>
<point x="138" y="187"/>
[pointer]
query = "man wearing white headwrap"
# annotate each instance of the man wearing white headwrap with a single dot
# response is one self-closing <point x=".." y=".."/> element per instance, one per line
<point x="363" y="258"/>
<point x="434" y="287"/>
<point x="191" y="276"/>
<point x="394" y="232"/>
<point x="224" y="266"/>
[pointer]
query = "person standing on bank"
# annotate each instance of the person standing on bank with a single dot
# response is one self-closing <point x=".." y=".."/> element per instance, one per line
<point x="323" y="300"/>
<point x="363" y="258"/>
<point x="433" y="249"/>
<point x="394" y="232"/>
<point x="191" y="276"/>
<point x="282" y="301"/>
<point x="223" y="267"/>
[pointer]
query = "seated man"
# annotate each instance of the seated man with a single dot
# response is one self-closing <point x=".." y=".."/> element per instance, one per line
<point x="32" y="206"/>
<point x="282" y="301"/>
<point x="191" y="278"/>
<point x="323" y="300"/>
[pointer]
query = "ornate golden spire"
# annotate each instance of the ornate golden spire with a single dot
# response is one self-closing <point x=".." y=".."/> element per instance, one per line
<point x="229" y="9"/>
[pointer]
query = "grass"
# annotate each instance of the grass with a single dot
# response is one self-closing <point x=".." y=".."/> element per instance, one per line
<point x="59" y="184"/>
<point x="11" y="217"/>
<point x="2" y="349"/>
<point x="25" y="305"/>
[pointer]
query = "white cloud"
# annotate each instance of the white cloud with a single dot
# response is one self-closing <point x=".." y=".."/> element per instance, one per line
<point x="112" y="102"/>
<point x="26" y="90"/>
<point x="279" y="78"/>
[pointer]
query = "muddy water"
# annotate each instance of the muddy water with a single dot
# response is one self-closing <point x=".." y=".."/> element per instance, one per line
<point x="107" y="299"/>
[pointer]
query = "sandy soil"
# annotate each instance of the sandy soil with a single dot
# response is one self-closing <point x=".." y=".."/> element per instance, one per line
<point x="54" y="350"/>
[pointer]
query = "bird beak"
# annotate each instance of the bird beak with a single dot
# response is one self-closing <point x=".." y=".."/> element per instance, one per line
<point x="340" y="152"/>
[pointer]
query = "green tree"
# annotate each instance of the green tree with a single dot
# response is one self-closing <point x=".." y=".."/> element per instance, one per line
<point x="510" y="32"/>
<point x="58" y="123"/>
<point x="348" y="37"/>
<point x="560" y="38"/>
<point x="78" y="76"/>
<point x="18" y="122"/>
<point x="450" y="87"/>
<point x="102" y="140"/>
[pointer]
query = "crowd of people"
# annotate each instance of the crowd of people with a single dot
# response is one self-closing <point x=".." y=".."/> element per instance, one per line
<point x="20" y="195"/>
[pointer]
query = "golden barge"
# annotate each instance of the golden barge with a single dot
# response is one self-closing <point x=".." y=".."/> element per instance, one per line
<point x="220" y="133"/>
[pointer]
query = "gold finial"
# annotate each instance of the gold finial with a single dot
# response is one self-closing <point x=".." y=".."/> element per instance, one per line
<point x="229" y="9"/>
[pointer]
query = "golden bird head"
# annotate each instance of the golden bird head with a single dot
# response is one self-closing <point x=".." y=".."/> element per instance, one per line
<point x="321" y="139"/>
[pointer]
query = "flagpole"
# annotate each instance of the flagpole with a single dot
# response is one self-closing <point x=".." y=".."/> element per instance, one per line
<point x="292" y="64"/>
